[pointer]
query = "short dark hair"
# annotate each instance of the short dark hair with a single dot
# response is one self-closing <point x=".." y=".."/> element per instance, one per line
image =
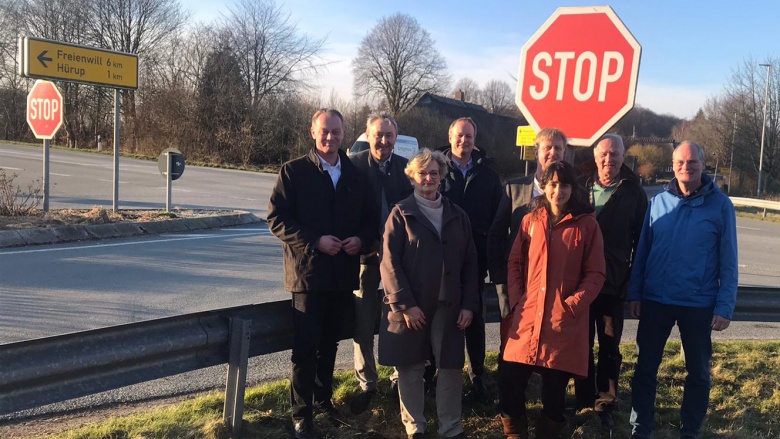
<point x="327" y="111"/>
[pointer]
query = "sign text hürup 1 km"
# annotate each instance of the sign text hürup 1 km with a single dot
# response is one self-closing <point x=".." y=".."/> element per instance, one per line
<point x="70" y="62"/>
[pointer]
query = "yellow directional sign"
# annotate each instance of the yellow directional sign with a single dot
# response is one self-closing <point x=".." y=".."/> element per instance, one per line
<point x="528" y="153"/>
<point x="525" y="136"/>
<point x="725" y="171"/>
<point x="70" y="62"/>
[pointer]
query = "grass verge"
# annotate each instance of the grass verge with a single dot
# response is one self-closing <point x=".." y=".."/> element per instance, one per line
<point x="745" y="403"/>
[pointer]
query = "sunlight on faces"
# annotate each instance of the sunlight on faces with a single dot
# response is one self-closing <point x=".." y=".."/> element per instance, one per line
<point x="609" y="157"/>
<point x="327" y="132"/>
<point x="550" y="150"/>
<point x="426" y="181"/>
<point x="687" y="165"/>
<point x="557" y="194"/>
<point x="462" y="139"/>
<point x="381" y="138"/>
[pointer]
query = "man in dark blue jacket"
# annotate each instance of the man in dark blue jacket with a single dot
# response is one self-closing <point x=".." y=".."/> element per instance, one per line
<point x="475" y="187"/>
<point x="685" y="273"/>
<point x="322" y="210"/>
<point x="389" y="185"/>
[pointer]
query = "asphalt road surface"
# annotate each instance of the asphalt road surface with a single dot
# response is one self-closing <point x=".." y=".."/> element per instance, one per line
<point x="48" y="290"/>
<point x="83" y="180"/>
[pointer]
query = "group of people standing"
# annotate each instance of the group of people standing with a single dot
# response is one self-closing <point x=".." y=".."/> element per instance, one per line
<point x="566" y="249"/>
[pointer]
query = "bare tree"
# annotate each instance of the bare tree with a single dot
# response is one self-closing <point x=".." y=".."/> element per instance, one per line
<point x="274" y="57"/>
<point x="135" y="26"/>
<point x="470" y="89"/>
<point x="397" y="61"/>
<point x="498" y="97"/>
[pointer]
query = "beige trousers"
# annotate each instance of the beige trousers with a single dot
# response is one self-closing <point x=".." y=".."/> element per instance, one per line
<point x="449" y="388"/>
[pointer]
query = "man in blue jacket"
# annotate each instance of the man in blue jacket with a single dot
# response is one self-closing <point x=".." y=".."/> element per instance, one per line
<point x="685" y="272"/>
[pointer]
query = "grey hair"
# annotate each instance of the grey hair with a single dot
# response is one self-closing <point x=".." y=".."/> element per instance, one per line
<point x="698" y="147"/>
<point x="613" y="137"/>
<point x="423" y="159"/>
<point x="373" y="117"/>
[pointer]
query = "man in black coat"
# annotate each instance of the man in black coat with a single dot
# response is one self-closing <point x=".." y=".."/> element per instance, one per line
<point x="476" y="188"/>
<point x="549" y="146"/>
<point x="389" y="185"/>
<point x="620" y="203"/>
<point x="322" y="210"/>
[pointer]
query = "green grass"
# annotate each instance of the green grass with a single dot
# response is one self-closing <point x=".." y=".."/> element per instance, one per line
<point x="758" y="213"/>
<point x="745" y="403"/>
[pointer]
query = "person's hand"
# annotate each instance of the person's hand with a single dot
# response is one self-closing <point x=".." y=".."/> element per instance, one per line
<point x="351" y="245"/>
<point x="464" y="318"/>
<point x="329" y="244"/>
<point x="720" y="323"/>
<point x="415" y="319"/>
<point x="634" y="308"/>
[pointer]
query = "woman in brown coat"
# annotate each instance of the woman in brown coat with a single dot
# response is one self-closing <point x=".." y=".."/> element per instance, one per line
<point x="429" y="272"/>
<point x="556" y="269"/>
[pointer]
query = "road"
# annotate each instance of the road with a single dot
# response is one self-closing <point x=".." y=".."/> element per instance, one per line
<point x="49" y="290"/>
<point x="83" y="180"/>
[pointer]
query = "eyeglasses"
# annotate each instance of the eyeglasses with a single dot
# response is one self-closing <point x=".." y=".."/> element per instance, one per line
<point x="432" y="174"/>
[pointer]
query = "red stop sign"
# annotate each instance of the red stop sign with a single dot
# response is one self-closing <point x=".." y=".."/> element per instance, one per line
<point x="44" y="109"/>
<point x="578" y="73"/>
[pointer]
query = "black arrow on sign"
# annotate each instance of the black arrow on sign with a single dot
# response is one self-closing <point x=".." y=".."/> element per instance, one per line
<point x="42" y="58"/>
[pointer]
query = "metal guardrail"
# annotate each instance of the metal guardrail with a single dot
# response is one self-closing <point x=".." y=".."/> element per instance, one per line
<point x="754" y="202"/>
<point x="42" y="371"/>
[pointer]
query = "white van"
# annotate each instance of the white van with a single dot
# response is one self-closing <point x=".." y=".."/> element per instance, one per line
<point x="405" y="146"/>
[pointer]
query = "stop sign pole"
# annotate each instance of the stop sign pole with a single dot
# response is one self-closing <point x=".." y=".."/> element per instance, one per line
<point x="44" y="115"/>
<point x="578" y="73"/>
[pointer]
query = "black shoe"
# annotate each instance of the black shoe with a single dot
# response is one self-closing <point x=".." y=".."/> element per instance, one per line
<point x="394" y="389"/>
<point x="361" y="401"/>
<point x="304" y="429"/>
<point x="416" y="436"/>
<point x="326" y="407"/>
<point x="459" y="436"/>
<point x="481" y="393"/>
<point x="606" y="420"/>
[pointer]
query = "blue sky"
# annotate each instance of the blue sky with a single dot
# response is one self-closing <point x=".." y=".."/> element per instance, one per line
<point x="690" y="48"/>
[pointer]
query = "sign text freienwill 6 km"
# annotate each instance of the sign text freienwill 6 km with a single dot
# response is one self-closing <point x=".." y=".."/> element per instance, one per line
<point x="71" y="62"/>
<point x="578" y="73"/>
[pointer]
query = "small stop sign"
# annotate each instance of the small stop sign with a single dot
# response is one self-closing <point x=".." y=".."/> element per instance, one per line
<point x="44" y="109"/>
<point x="578" y="72"/>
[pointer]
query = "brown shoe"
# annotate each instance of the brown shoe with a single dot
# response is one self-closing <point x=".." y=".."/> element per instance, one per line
<point x="515" y="428"/>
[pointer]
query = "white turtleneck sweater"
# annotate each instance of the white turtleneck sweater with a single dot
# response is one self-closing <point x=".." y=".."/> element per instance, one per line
<point x="432" y="210"/>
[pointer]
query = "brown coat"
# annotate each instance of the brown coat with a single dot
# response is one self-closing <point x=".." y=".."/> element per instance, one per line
<point x="415" y="264"/>
<point x="553" y="276"/>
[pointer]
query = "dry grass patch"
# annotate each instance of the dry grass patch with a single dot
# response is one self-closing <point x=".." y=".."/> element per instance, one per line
<point x="745" y="403"/>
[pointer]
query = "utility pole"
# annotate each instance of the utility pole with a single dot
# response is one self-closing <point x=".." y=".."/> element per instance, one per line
<point x="763" y="132"/>
<point x="731" y="160"/>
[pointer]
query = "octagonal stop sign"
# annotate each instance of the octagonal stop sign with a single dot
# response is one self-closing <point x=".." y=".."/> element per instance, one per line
<point x="578" y="73"/>
<point x="44" y="109"/>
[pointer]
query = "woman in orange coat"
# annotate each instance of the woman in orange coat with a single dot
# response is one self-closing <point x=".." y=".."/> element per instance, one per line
<point x="556" y="269"/>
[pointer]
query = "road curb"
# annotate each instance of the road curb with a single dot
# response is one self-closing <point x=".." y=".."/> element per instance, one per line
<point x="73" y="233"/>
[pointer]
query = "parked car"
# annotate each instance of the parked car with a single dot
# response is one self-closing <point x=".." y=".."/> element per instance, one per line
<point x="405" y="146"/>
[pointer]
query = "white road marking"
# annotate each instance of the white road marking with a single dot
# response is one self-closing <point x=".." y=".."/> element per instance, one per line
<point x="747" y="228"/>
<point x="11" y="169"/>
<point x="122" y="244"/>
<point x="60" y="175"/>
<point x="111" y="181"/>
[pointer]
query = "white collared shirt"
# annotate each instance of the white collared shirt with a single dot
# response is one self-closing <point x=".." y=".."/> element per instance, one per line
<point x="333" y="170"/>
<point x="537" y="188"/>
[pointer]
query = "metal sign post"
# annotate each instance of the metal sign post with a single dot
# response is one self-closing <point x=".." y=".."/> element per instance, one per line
<point x="170" y="163"/>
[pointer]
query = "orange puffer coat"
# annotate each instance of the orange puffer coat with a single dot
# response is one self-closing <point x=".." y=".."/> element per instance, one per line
<point x="553" y="276"/>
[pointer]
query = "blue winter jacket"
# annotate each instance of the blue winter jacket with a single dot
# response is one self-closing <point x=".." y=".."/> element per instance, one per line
<point x="687" y="253"/>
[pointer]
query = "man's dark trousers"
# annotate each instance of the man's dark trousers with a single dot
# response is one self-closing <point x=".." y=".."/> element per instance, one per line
<point x="320" y="320"/>
<point x="475" y="333"/>
<point x="599" y="389"/>
<point x="655" y="324"/>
